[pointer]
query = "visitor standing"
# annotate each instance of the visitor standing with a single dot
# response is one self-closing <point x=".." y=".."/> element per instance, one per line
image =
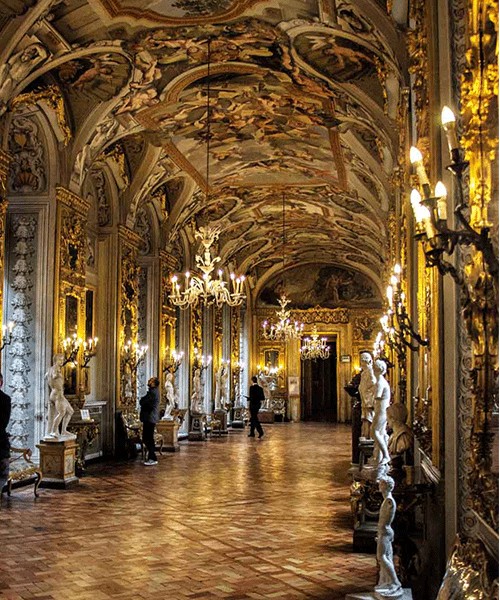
<point x="149" y="416"/>
<point x="5" y="406"/>
<point x="255" y="400"/>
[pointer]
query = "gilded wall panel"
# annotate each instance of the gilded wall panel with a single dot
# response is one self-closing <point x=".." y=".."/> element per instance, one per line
<point x="128" y="318"/>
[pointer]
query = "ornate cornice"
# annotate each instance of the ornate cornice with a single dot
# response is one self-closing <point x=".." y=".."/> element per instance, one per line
<point x="129" y="237"/>
<point x="72" y="201"/>
<point x="327" y="316"/>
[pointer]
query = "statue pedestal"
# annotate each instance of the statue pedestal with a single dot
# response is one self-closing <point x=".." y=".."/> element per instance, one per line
<point x="197" y="428"/>
<point x="169" y="430"/>
<point x="405" y="595"/>
<point x="221" y="414"/>
<point x="57" y="462"/>
<point x="237" y="422"/>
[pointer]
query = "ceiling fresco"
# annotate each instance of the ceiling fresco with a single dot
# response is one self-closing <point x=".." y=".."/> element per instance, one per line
<point x="303" y="105"/>
<point x="326" y="286"/>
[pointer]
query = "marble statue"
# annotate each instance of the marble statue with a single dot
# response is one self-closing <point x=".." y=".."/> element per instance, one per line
<point x="388" y="585"/>
<point x="17" y="68"/>
<point x="218" y="377"/>
<point x="367" y="393"/>
<point x="60" y="410"/>
<point x="267" y="382"/>
<point x="171" y="398"/>
<point x="401" y="438"/>
<point x="382" y="399"/>
<point x="196" y="399"/>
<point x="224" y="391"/>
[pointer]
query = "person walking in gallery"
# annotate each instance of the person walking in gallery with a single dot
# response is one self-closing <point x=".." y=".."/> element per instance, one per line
<point x="5" y="406"/>
<point x="255" y="400"/>
<point x="149" y="416"/>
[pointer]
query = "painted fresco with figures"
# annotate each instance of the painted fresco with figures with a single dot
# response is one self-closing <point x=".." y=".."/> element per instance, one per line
<point x="201" y="192"/>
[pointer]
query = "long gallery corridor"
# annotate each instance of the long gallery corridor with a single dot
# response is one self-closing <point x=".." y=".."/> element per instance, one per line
<point x="231" y="517"/>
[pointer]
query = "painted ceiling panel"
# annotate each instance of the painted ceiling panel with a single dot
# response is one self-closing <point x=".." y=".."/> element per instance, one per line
<point x="303" y="106"/>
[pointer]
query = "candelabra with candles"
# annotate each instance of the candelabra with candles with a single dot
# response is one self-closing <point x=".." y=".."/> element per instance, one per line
<point x="133" y="354"/>
<point x="173" y="365"/>
<point x="397" y="308"/>
<point x="71" y="347"/>
<point x="89" y="351"/>
<point x="7" y="334"/>
<point x="202" y="361"/>
<point x="431" y="212"/>
<point x="314" y="347"/>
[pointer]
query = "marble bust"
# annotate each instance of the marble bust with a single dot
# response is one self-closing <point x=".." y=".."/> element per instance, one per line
<point x="401" y="438"/>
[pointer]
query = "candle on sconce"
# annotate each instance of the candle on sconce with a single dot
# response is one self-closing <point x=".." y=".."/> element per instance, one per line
<point x="417" y="161"/>
<point x="449" y="126"/>
<point x="389" y="293"/>
<point x="440" y="194"/>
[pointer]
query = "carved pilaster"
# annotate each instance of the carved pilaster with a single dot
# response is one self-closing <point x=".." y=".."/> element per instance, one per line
<point x="128" y="317"/>
<point x="168" y="318"/>
<point x="70" y="306"/>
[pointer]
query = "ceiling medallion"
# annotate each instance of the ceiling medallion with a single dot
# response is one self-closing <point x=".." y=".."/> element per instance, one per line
<point x="205" y="288"/>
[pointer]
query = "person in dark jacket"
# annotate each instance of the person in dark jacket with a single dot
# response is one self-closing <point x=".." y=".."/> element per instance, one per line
<point x="149" y="416"/>
<point x="255" y="400"/>
<point x="5" y="406"/>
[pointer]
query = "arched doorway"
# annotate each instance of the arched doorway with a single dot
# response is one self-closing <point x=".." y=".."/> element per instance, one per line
<point x="318" y="387"/>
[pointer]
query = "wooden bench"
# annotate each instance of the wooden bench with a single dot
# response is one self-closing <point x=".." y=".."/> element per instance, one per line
<point x="22" y="469"/>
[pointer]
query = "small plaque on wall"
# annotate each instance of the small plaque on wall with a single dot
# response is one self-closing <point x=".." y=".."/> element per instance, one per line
<point x="85" y="414"/>
<point x="345" y="358"/>
<point x="293" y="386"/>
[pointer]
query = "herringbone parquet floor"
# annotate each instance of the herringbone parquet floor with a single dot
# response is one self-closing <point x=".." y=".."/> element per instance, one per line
<point x="233" y="518"/>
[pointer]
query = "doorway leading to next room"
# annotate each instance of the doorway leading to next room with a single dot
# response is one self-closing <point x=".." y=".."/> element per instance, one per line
<point x="318" y="387"/>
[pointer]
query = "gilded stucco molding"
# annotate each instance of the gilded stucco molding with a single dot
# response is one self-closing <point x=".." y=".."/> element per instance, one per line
<point x="129" y="272"/>
<point x="53" y="98"/>
<point x="5" y="159"/>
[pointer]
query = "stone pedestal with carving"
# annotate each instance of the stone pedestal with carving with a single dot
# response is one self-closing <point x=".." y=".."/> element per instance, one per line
<point x="197" y="428"/>
<point x="169" y="430"/>
<point x="238" y="414"/>
<point x="221" y="414"/>
<point x="57" y="462"/>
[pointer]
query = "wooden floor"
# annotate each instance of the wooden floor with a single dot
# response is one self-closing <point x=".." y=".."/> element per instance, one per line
<point x="233" y="517"/>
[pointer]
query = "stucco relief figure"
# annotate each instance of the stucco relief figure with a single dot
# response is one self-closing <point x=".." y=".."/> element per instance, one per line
<point x="367" y="392"/>
<point x="401" y="438"/>
<point x="382" y="399"/>
<point x="196" y="399"/>
<point x="388" y="585"/>
<point x="60" y="410"/>
<point x="171" y="397"/>
<point x="17" y="68"/>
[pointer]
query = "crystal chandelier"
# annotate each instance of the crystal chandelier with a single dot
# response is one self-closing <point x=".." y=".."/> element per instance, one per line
<point x="205" y="288"/>
<point x="314" y="347"/>
<point x="283" y="329"/>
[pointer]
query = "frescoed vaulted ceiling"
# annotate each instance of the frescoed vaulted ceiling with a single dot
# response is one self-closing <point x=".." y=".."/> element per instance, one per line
<point x="305" y="98"/>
